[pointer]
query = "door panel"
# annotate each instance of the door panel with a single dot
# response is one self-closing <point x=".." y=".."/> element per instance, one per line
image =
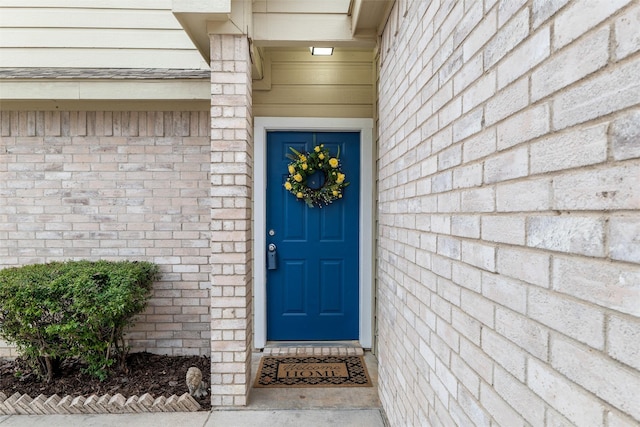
<point x="294" y="296"/>
<point x="332" y="225"/>
<point x="313" y="294"/>
<point x="332" y="278"/>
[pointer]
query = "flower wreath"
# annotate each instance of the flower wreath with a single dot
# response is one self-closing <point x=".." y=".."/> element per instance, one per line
<point x="305" y="165"/>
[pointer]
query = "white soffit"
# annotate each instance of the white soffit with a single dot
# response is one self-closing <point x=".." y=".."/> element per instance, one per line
<point x="302" y="6"/>
<point x="370" y="16"/>
<point x="286" y="23"/>
<point x="286" y="29"/>
<point x="193" y="15"/>
<point x="305" y="23"/>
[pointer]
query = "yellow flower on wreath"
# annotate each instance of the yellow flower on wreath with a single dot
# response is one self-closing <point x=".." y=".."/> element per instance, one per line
<point x="304" y="165"/>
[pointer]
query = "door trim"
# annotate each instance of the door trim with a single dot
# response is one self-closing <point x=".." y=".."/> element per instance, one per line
<point x="262" y="125"/>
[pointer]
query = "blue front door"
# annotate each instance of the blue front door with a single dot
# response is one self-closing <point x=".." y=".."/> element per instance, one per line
<point x="313" y="293"/>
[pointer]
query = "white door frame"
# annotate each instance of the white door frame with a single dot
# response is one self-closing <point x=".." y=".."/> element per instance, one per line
<point x="366" y="262"/>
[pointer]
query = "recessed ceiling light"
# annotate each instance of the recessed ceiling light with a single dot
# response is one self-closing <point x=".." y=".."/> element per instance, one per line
<point x="322" y="51"/>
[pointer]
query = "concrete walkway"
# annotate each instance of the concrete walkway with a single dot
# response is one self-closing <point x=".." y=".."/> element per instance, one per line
<point x="239" y="418"/>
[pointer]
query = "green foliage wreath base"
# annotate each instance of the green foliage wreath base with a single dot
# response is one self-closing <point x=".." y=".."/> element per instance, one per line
<point x="304" y="165"/>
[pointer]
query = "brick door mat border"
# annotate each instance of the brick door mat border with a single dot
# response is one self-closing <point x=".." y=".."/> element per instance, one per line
<point x="312" y="371"/>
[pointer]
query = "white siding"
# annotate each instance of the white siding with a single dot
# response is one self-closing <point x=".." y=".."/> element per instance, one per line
<point x="298" y="84"/>
<point x="94" y="34"/>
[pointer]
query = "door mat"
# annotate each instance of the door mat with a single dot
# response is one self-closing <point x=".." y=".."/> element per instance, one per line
<point x="312" y="371"/>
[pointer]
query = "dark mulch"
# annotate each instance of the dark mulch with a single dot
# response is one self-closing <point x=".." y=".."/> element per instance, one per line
<point x="144" y="373"/>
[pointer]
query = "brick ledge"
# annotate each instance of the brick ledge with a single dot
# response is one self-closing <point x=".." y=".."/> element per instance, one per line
<point x="312" y="350"/>
<point x="23" y="404"/>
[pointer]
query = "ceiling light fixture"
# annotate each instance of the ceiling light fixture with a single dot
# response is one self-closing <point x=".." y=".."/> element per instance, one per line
<point x="322" y="51"/>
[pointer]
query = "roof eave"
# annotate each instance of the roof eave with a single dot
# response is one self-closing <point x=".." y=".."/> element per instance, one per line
<point x="359" y="27"/>
<point x="194" y="15"/>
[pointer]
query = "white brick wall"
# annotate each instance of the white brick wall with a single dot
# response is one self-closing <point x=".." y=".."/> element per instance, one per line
<point x="522" y="305"/>
<point x="115" y="185"/>
<point x="231" y="192"/>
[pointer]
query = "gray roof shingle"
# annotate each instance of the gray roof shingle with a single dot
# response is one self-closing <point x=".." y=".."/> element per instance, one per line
<point x="103" y="73"/>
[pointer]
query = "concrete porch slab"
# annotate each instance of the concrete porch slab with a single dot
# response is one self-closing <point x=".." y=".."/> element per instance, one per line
<point x="303" y="398"/>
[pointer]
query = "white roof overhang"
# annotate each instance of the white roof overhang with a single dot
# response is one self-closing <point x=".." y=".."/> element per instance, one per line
<point x="194" y="15"/>
<point x="285" y="23"/>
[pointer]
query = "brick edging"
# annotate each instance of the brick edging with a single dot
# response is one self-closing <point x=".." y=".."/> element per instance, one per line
<point x="302" y="350"/>
<point x="23" y="404"/>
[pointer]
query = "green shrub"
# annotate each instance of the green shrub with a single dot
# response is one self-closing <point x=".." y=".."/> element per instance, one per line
<point x="80" y="309"/>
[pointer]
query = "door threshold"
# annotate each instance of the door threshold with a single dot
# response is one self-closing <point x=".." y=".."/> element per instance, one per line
<point x="316" y="348"/>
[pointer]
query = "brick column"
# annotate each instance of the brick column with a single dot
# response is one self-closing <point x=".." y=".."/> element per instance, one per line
<point x="231" y="185"/>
